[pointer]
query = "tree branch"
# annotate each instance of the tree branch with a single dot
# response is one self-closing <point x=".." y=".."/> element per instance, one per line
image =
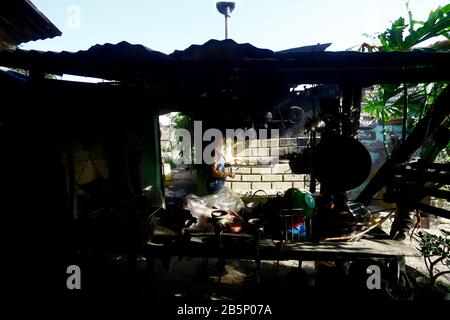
<point x="433" y="263"/>
<point x="426" y="263"/>
<point x="437" y="275"/>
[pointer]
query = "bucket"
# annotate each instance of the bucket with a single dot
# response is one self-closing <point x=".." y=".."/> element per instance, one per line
<point x="303" y="200"/>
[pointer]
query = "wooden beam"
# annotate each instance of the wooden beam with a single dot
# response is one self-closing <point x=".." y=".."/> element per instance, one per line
<point x="433" y="210"/>
<point x="425" y="128"/>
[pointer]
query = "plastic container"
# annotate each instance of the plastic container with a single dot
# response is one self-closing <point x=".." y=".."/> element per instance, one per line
<point x="295" y="225"/>
<point x="303" y="200"/>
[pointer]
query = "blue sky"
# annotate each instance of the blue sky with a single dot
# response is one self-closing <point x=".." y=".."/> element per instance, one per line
<point x="167" y="25"/>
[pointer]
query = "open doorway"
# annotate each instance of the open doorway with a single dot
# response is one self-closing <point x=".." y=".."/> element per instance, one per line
<point x="179" y="177"/>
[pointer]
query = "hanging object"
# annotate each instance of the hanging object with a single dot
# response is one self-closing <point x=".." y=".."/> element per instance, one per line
<point x="296" y="115"/>
<point x="341" y="163"/>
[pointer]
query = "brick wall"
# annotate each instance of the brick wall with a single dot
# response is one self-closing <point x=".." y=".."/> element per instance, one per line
<point x="254" y="171"/>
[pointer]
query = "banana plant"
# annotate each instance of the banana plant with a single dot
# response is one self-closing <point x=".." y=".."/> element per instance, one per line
<point x="437" y="24"/>
<point x="386" y="101"/>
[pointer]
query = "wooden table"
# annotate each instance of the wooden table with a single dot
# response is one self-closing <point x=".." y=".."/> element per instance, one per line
<point x="243" y="246"/>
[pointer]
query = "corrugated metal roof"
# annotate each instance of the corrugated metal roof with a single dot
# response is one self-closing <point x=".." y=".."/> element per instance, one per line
<point x="119" y="61"/>
<point x="222" y="61"/>
<point x="222" y="50"/>
<point x="313" y="48"/>
<point x="21" y="21"/>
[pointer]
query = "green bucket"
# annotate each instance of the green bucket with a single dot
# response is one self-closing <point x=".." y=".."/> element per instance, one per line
<point x="303" y="200"/>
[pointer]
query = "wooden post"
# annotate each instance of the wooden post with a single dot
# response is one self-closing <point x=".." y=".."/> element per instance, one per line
<point x="405" y="112"/>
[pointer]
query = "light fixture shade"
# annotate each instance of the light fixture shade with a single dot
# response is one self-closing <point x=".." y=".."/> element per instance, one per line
<point x="222" y="6"/>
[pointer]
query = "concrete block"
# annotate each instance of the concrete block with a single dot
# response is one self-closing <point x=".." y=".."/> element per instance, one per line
<point x="241" y="185"/>
<point x="241" y="170"/>
<point x="288" y="142"/>
<point x="293" y="177"/>
<point x="278" y="151"/>
<point x="236" y="178"/>
<point x="267" y="160"/>
<point x="269" y="143"/>
<point x="252" y="177"/>
<point x="260" y="152"/>
<point x="242" y="152"/>
<point x="251" y="160"/>
<point x="261" y="186"/>
<point x="259" y="170"/>
<point x="281" y="185"/>
<point x="291" y="150"/>
<point x="281" y="168"/>
<point x="298" y="185"/>
<point x="252" y="143"/>
<point x="284" y="151"/>
<point x="272" y="177"/>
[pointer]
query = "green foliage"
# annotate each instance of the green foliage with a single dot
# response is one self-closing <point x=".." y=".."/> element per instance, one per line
<point x="386" y="101"/>
<point x="433" y="245"/>
<point x="182" y="121"/>
<point x="437" y="24"/>
<point x="435" y="250"/>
